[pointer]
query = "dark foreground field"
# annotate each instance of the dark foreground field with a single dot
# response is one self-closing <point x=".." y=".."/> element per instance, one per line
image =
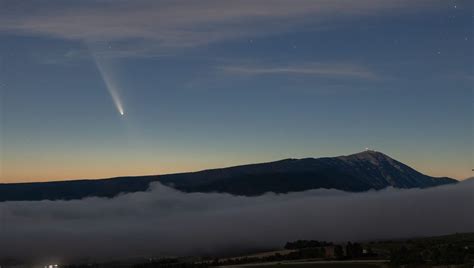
<point x="450" y="251"/>
<point x="336" y="264"/>
<point x="331" y="264"/>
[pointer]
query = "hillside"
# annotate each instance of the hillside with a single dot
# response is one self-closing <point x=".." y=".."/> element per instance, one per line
<point x="357" y="172"/>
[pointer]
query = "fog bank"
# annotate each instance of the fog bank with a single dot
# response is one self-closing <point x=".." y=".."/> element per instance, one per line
<point x="163" y="221"/>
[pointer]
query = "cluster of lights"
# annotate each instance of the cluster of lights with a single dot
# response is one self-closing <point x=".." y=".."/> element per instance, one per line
<point x="51" y="266"/>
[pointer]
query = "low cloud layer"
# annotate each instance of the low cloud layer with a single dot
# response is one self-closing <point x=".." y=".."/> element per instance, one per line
<point x="163" y="221"/>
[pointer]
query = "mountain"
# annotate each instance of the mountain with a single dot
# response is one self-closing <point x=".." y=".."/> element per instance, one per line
<point x="357" y="172"/>
<point x="471" y="179"/>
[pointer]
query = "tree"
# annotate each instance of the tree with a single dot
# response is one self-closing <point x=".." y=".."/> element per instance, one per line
<point x="338" y="252"/>
<point x="349" y="249"/>
<point x="436" y="255"/>
<point x="357" y="250"/>
<point x="405" y="256"/>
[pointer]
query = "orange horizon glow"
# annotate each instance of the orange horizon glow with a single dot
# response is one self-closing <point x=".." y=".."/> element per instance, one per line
<point x="68" y="173"/>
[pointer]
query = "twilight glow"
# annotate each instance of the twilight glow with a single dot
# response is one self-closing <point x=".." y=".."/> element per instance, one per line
<point x="210" y="83"/>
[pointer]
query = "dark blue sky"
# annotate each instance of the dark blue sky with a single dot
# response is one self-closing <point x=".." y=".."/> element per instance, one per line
<point x="215" y="83"/>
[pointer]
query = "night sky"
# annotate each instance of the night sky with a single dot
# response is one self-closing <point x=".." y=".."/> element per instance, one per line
<point x="204" y="84"/>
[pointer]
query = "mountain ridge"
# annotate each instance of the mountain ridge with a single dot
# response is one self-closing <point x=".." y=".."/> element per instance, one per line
<point x="354" y="173"/>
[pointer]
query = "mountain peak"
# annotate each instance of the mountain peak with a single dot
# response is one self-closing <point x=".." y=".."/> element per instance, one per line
<point x="370" y="152"/>
<point x="368" y="155"/>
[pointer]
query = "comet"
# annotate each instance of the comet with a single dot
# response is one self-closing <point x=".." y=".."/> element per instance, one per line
<point x="110" y="83"/>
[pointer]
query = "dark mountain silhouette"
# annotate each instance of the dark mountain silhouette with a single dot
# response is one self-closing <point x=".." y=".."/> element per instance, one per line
<point x="358" y="172"/>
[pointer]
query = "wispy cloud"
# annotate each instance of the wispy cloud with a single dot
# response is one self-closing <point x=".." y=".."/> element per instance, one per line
<point x="311" y="69"/>
<point x="157" y="25"/>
